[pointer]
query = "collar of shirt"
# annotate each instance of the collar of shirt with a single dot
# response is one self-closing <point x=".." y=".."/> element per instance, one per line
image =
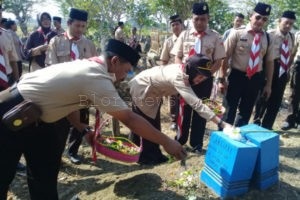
<point x="279" y="33"/>
<point x="71" y="38"/>
<point x="249" y="29"/>
<point x="174" y="38"/>
<point x="193" y="30"/>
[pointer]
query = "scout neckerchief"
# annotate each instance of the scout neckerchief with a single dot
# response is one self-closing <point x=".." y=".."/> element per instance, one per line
<point x="197" y="47"/>
<point x="3" y="75"/>
<point x="40" y="30"/>
<point x="74" y="54"/>
<point x="284" y="57"/>
<point x="180" y="113"/>
<point x="254" y="59"/>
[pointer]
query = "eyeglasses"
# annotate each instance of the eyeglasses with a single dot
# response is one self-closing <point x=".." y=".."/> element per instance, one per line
<point x="259" y="17"/>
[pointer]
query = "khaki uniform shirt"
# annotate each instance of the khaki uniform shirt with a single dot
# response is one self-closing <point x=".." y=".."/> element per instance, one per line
<point x="59" y="49"/>
<point x="211" y="45"/>
<point x="277" y="39"/>
<point x="297" y="46"/>
<point x="238" y="48"/>
<point x="8" y="49"/>
<point x="166" y="50"/>
<point x="59" y="31"/>
<point x="119" y="34"/>
<point x="148" y="87"/>
<point x="66" y="87"/>
<point x="17" y="43"/>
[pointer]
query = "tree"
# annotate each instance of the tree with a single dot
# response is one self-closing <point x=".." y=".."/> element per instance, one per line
<point x="22" y="10"/>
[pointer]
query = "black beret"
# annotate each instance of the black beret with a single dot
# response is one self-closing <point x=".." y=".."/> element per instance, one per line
<point x="240" y="15"/>
<point x="289" y="14"/>
<point x="120" y="23"/>
<point x="9" y="23"/>
<point x="56" y="18"/>
<point x="175" y="18"/>
<point x="263" y="9"/>
<point x="200" y="8"/>
<point x="199" y="64"/>
<point x="77" y="14"/>
<point x="123" y="50"/>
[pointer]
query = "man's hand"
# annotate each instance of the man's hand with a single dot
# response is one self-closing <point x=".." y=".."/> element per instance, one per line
<point x="267" y="92"/>
<point x="175" y="149"/>
<point x="89" y="137"/>
<point x="223" y="87"/>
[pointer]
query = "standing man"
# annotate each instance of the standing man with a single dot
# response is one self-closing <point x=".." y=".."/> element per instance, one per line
<point x="119" y="33"/>
<point x="58" y="91"/>
<point x="57" y="24"/>
<point x="167" y="58"/>
<point x="201" y="40"/>
<point x="238" y="22"/>
<point x="247" y="48"/>
<point x="293" y="120"/>
<point x="69" y="46"/>
<point x="266" y="112"/>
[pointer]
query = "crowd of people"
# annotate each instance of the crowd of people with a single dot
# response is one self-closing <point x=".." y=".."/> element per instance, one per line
<point x="252" y="67"/>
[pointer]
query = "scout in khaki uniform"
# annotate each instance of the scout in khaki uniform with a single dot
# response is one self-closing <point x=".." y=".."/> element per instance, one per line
<point x="167" y="58"/>
<point x="57" y="24"/>
<point x="8" y="58"/>
<point x="148" y="87"/>
<point x="283" y="39"/>
<point x="238" y="22"/>
<point x="293" y="119"/>
<point x="37" y="43"/>
<point x="201" y="40"/>
<point x="59" y="90"/>
<point x="68" y="46"/>
<point x="247" y="48"/>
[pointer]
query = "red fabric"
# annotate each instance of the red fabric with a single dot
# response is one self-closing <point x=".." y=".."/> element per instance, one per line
<point x="254" y="59"/>
<point x="72" y="53"/>
<point x="3" y="75"/>
<point x="43" y="34"/>
<point x="180" y="113"/>
<point x="284" y="57"/>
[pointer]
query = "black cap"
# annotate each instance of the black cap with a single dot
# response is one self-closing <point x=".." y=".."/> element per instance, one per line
<point x="198" y="64"/>
<point x="289" y="14"/>
<point x="78" y="14"/>
<point x="123" y="50"/>
<point x="120" y="23"/>
<point x="57" y="18"/>
<point x="175" y="18"/>
<point x="200" y="8"/>
<point x="3" y="21"/>
<point x="9" y="23"/>
<point x="240" y="15"/>
<point x="263" y="9"/>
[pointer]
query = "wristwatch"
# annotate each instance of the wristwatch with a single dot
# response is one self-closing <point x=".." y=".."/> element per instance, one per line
<point x="221" y="79"/>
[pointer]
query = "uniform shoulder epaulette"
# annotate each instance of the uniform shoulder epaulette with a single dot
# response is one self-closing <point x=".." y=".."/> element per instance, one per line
<point x="271" y="31"/>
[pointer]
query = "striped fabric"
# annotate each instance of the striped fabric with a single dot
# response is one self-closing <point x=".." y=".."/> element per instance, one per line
<point x="3" y="75"/>
<point x="254" y="56"/>
<point x="284" y="57"/>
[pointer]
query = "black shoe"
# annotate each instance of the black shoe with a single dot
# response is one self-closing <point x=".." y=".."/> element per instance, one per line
<point x="21" y="167"/>
<point x="146" y="161"/>
<point x="287" y="126"/>
<point x="197" y="149"/>
<point x="75" y="159"/>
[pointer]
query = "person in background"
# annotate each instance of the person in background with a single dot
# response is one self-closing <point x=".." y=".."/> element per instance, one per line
<point x="11" y="26"/>
<point x="72" y="45"/>
<point x="266" y="111"/>
<point x="57" y="24"/>
<point x="149" y="86"/>
<point x="134" y="41"/>
<point x="293" y="119"/>
<point x="246" y="77"/>
<point x="119" y="32"/>
<point x="167" y="58"/>
<point x="238" y="22"/>
<point x="58" y="91"/>
<point x="37" y="42"/>
<point x="198" y="40"/>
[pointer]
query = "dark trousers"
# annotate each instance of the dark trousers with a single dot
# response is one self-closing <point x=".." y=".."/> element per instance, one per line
<point x="268" y="110"/>
<point x="75" y="137"/>
<point x="198" y="124"/>
<point x="241" y="95"/>
<point x="151" y="151"/>
<point x="42" y="146"/>
<point x="294" y="117"/>
<point x="20" y="68"/>
<point x="174" y="107"/>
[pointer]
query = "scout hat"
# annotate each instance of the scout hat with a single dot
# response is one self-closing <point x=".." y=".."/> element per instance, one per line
<point x="175" y="18"/>
<point x="263" y="9"/>
<point x="198" y="64"/>
<point x="240" y="15"/>
<point x="78" y="14"/>
<point x="123" y="50"/>
<point x="120" y="23"/>
<point x="57" y="19"/>
<point x="200" y="8"/>
<point x="9" y="24"/>
<point x="289" y="14"/>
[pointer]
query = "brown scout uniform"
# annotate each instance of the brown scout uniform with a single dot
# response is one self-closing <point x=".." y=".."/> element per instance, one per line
<point x="166" y="50"/>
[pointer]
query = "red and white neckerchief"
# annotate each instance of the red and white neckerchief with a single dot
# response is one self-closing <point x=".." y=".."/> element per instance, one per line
<point x="40" y="30"/>
<point x="254" y="59"/>
<point x="74" y="53"/>
<point x="3" y="75"/>
<point x="284" y="57"/>
<point x="197" y="47"/>
<point x="180" y="114"/>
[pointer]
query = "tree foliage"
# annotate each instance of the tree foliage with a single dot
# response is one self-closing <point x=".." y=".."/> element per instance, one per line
<point x="22" y="10"/>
